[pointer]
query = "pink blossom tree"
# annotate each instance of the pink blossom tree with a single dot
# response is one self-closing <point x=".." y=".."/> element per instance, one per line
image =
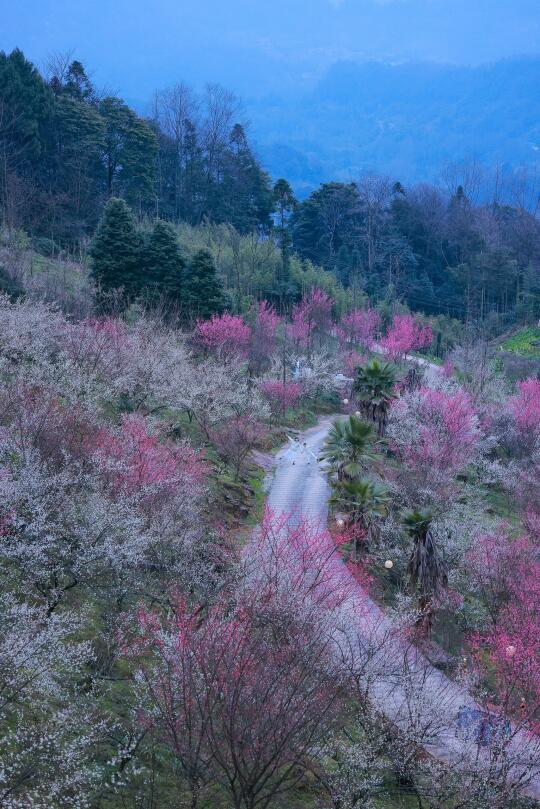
<point x="242" y="695"/>
<point x="299" y="329"/>
<point x="313" y="315"/>
<point x="359" y="328"/>
<point x="492" y="564"/>
<point x="511" y="648"/>
<point x="225" y="334"/>
<point x="281" y="395"/>
<point x="351" y="361"/>
<point x="137" y="464"/>
<point x="525" y="410"/>
<point x="435" y="433"/>
<point x="405" y="335"/>
<point x="316" y="307"/>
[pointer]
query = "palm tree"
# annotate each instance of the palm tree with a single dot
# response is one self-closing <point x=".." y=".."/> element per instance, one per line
<point x="427" y="572"/>
<point x="374" y="386"/>
<point x="348" y="446"/>
<point x="365" y="502"/>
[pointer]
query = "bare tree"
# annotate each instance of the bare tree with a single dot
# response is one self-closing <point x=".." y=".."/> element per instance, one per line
<point x="466" y="174"/>
<point x="56" y="66"/>
<point x="375" y="194"/>
<point x="221" y="108"/>
<point x="176" y="109"/>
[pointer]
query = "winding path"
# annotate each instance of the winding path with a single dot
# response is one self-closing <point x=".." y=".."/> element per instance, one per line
<point x="401" y="680"/>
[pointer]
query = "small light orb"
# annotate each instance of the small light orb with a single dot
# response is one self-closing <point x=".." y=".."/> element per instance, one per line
<point x="510" y="650"/>
<point x="358" y="414"/>
<point x="345" y="401"/>
<point x="340" y="522"/>
<point x="389" y="564"/>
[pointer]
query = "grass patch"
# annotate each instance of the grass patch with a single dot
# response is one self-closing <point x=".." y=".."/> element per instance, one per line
<point x="256" y="482"/>
<point x="525" y="342"/>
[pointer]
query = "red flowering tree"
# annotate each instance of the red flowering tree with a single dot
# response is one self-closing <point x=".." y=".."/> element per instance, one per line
<point x="511" y="648"/>
<point x="281" y="395"/>
<point x="225" y="334"/>
<point x="405" y="335"/>
<point x="242" y="695"/>
<point x="136" y="462"/>
<point x="359" y="327"/>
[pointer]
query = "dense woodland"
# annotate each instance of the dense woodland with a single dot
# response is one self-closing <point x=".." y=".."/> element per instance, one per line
<point x="67" y="148"/>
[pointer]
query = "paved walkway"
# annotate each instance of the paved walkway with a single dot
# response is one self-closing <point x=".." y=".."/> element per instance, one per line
<point x="400" y="681"/>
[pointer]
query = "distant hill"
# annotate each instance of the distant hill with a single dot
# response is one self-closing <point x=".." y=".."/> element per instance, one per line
<point x="406" y="120"/>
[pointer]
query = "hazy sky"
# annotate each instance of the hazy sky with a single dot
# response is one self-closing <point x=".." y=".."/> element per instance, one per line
<point x="257" y="46"/>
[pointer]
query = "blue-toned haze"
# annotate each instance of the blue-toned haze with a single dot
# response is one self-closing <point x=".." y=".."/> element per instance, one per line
<point x="314" y="113"/>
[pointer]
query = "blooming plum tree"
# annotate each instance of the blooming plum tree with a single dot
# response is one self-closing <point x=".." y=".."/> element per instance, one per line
<point x="435" y="433"/>
<point x="359" y="328"/>
<point x="225" y="334"/>
<point x="48" y="732"/>
<point x="405" y="335"/>
<point x="313" y="315"/>
<point x="281" y="395"/>
<point x="525" y="410"/>
<point x="242" y="695"/>
<point x="512" y="647"/>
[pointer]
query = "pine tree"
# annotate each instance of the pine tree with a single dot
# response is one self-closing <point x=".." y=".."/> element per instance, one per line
<point x="116" y="251"/>
<point x="284" y="205"/>
<point x="163" y="263"/>
<point x="128" y="153"/>
<point x="203" y="290"/>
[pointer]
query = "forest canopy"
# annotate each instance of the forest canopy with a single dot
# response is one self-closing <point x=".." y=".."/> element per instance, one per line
<point x="68" y="148"/>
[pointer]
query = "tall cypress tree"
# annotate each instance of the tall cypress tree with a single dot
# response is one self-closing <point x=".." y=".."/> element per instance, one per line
<point x="164" y="264"/>
<point x="116" y="251"/>
<point x="203" y="291"/>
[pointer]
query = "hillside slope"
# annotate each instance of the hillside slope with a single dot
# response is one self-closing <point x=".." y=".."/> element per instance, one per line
<point x="407" y="120"/>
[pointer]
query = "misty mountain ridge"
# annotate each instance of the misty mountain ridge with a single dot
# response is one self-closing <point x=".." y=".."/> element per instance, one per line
<point x="407" y="120"/>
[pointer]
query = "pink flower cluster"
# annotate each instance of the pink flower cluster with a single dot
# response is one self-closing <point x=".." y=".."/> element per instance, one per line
<point x="359" y="326"/>
<point x="265" y="324"/>
<point x="525" y="407"/>
<point x="405" y="335"/>
<point x="138" y="461"/>
<point x="446" y="433"/>
<point x="226" y="334"/>
<point x="313" y="313"/>
<point x="511" y="646"/>
<point x="281" y="395"/>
